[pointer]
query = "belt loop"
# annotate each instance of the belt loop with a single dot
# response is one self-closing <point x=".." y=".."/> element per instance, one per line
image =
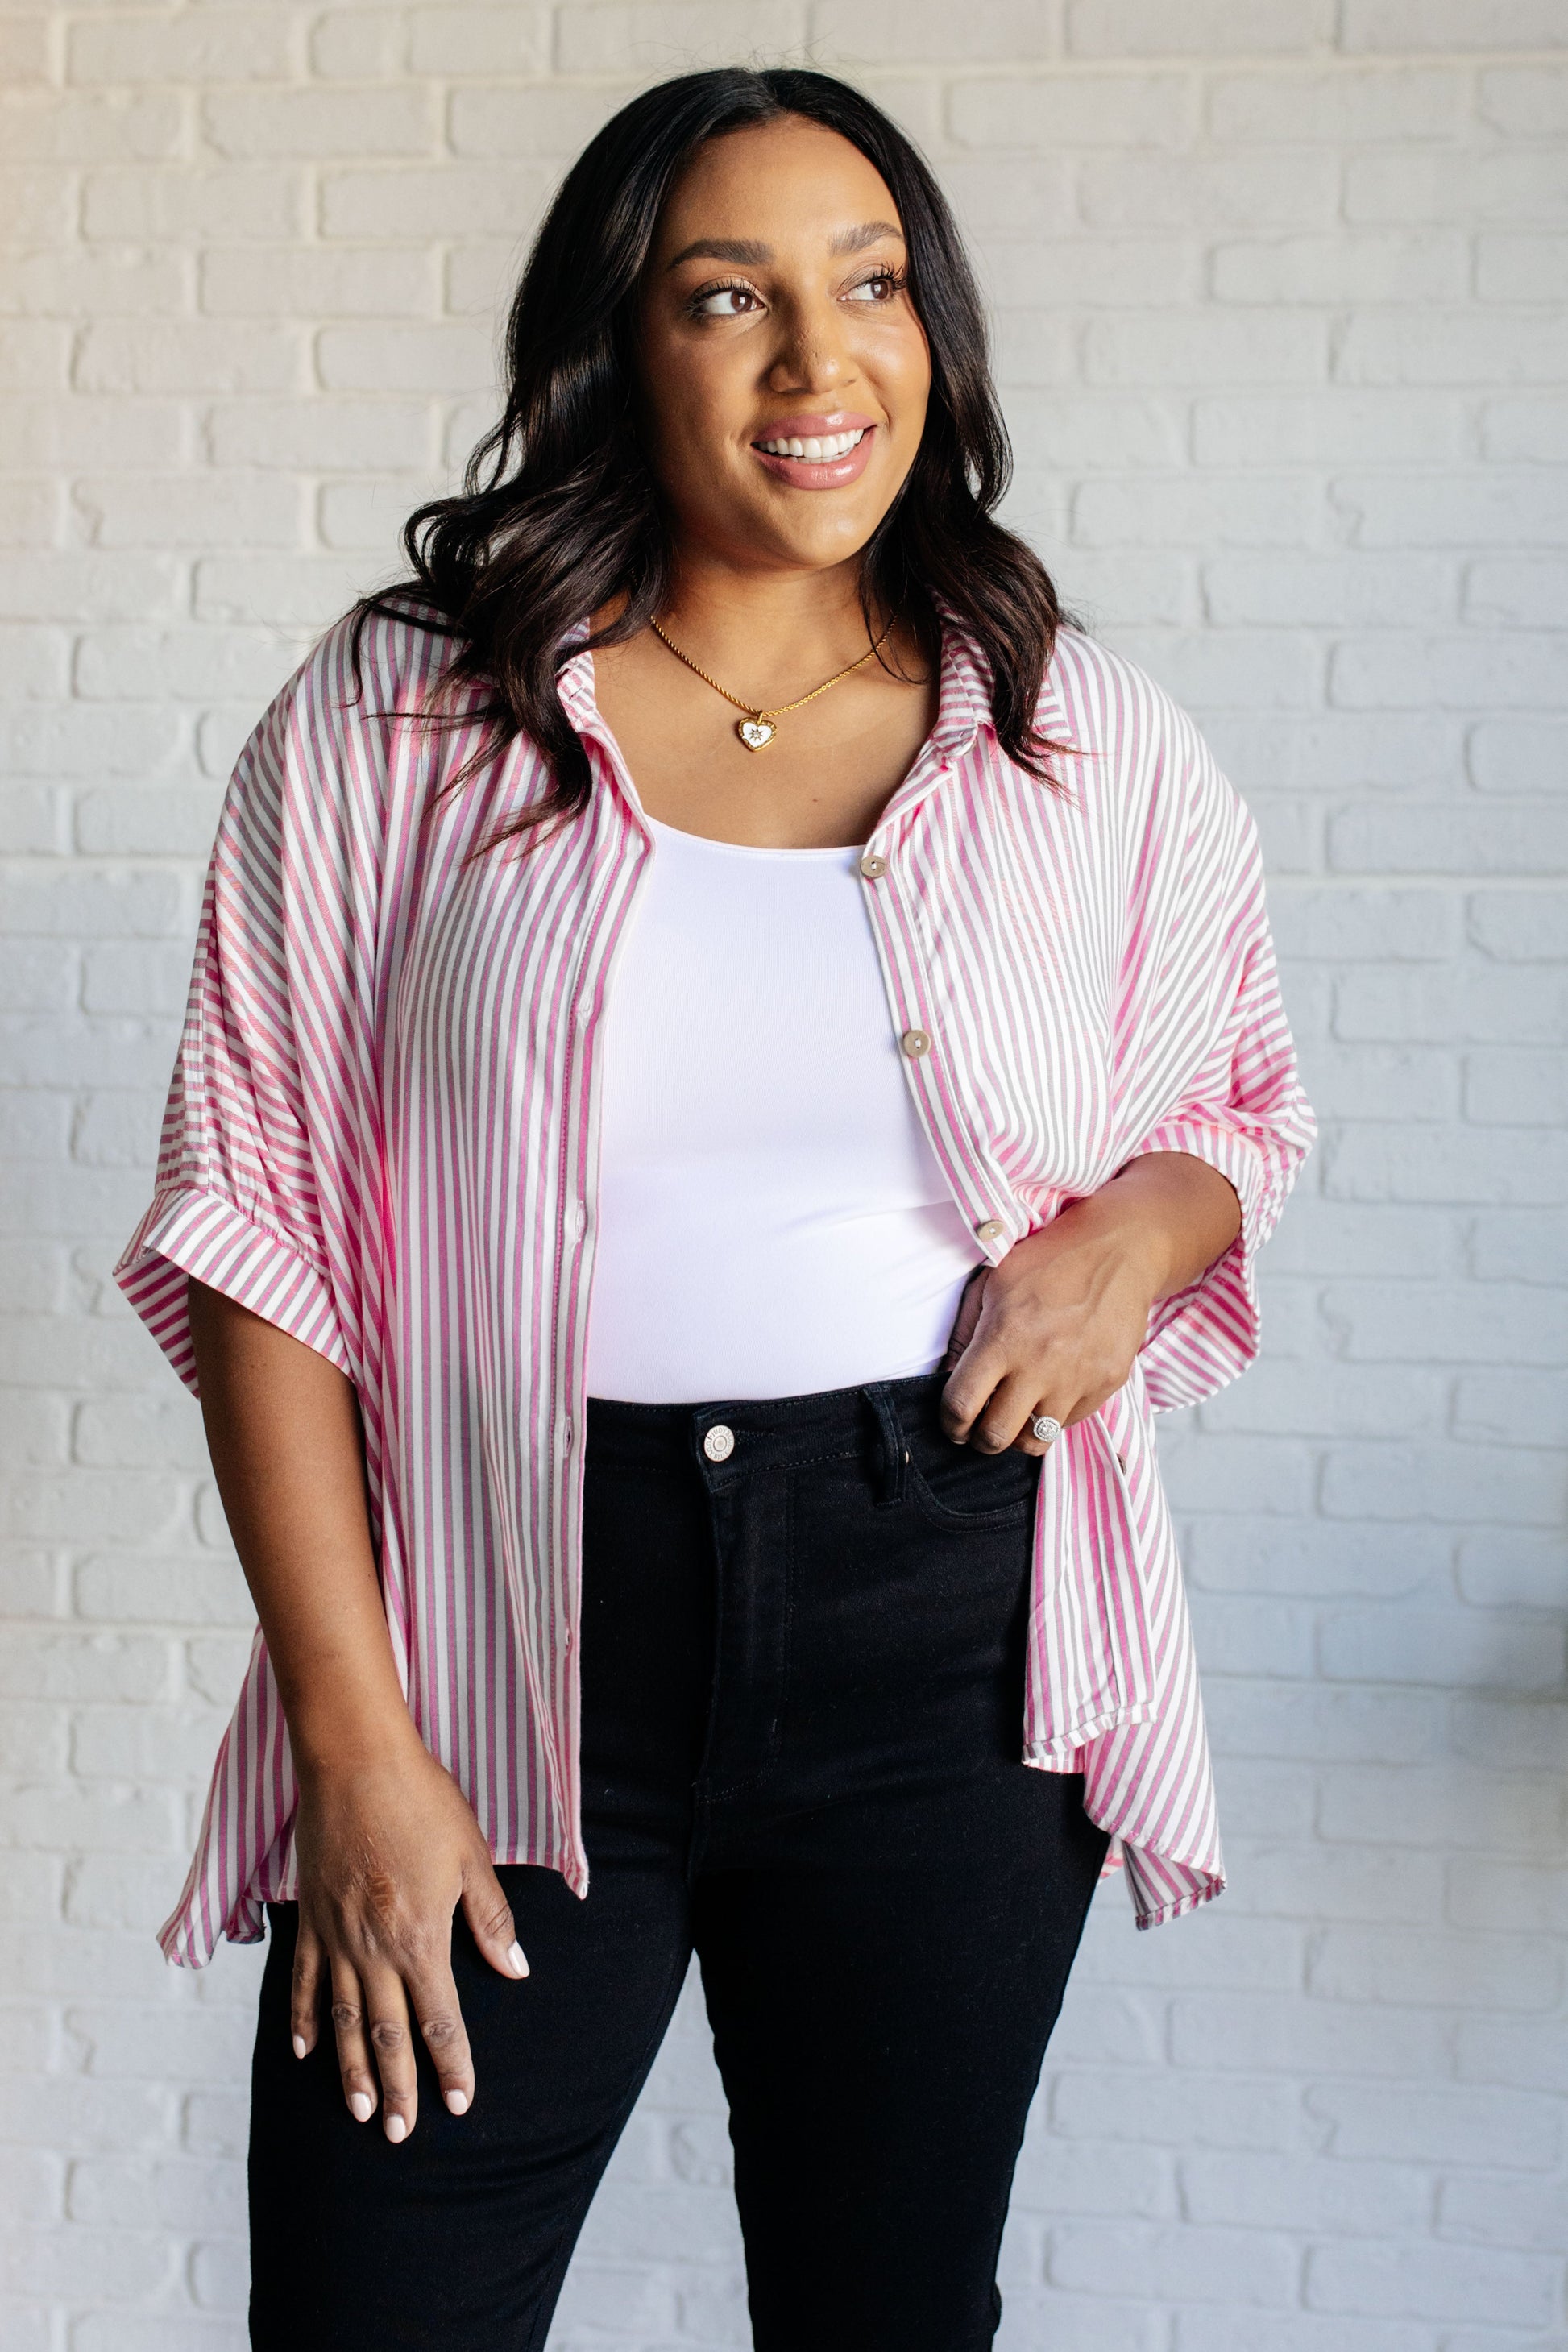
<point x="894" y="1447"/>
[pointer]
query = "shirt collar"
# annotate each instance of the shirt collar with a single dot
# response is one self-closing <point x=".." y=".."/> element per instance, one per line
<point x="963" y="687"/>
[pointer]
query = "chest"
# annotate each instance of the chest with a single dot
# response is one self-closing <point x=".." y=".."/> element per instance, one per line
<point x="821" y="779"/>
<point x="992" y="928"/>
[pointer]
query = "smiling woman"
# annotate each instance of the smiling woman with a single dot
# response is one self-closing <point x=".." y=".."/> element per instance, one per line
<point x="681" y="1223"/>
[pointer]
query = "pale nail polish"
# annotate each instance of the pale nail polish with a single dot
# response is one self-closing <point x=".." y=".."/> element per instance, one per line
<point x="458" y="2102"/>
<point x="396" y="2128"/>
<point x="516" y="1962"/>
<point x="362" y="2107"/>
<point x="300" y="2050"/>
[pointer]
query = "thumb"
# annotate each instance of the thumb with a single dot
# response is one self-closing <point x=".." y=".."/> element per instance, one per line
<point x="966" y="1321"/>
<point x="489" y="1914"/>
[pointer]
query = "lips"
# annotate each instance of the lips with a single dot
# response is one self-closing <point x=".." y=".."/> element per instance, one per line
<point x="817" y="451"/>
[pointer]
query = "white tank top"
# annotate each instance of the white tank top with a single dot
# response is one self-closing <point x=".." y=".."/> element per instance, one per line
<point x="772" y="1219"/>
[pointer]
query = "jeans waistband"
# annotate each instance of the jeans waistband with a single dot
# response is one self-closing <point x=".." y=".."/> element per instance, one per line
<point x="728" y="1436"/>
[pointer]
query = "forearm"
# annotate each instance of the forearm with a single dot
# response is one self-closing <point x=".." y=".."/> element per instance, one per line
<point x="1170" y="1212"/>
<point x="283" y="1431"/>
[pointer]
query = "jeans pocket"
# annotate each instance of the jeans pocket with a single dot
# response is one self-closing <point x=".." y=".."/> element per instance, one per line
<point x="957" y="1486"/>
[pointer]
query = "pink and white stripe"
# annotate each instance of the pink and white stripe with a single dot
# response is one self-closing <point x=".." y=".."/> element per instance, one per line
<point x="383" y="1135"/>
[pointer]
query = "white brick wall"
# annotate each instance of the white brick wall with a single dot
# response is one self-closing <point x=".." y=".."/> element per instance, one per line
<point x="1280" y="289"/>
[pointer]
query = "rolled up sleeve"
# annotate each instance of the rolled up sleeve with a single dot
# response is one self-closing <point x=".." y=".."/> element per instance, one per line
<point x="1208" y="1029"/>
<point x="251" y="1167"/>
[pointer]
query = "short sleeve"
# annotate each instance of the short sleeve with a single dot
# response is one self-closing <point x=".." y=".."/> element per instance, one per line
<point x="266" y="1130"/>
<point x="1204" y="1054"/>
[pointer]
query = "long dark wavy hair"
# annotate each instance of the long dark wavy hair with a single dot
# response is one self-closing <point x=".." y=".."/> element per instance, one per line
<point x="559" y="512"/>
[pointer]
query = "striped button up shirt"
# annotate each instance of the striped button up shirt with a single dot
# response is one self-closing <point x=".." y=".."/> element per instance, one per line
<point x="382" y="1135"/>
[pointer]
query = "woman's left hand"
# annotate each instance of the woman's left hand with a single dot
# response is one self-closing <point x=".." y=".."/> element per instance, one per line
<point x="1054" y="1329"/>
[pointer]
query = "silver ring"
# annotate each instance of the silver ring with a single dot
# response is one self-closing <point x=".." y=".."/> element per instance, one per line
<point x="1046" y="1430"/>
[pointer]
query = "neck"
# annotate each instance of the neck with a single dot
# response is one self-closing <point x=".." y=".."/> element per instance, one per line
<point x="798" y="621"/>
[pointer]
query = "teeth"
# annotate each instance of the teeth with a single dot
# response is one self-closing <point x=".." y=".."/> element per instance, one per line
<point x="816" y="451"/>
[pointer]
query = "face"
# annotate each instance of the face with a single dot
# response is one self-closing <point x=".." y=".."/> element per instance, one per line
<point x="785" y="373"/>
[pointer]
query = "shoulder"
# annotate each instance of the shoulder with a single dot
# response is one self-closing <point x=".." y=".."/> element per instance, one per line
<point x="1106" y="705"/>
<point x="1132" y="755"/>
<point x="372" y="672"/>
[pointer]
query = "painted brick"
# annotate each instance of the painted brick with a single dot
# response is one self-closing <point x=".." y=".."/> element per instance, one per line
<point x="1304" y="466"/>
<point x="1502" y="2212"/>
<point x="1328" y="591"/>
<point x="1439" y="1648"/>
<point x="362" y="45"/>
<point x="1441" y="1806"/>
<point x="1434" y="2282"/>
<point x="235" y="45"/>
<point x="1526" y="1245"/>
<point x="1517" y="926"/>
<point x="1233" y="191"/>
<point x="1382" y="671"/>
<point x="39" y="201"/>
<point x="1445" y="2123"/>
<point x="444" y="357"/>
<point x="54" y="128"/>
<point x="325" y="123"/>
<point x="1398" y="1163"/>
<point x="1517" y="1567"/>
<point x="1343" y="107"/>
<point x="236" y="201"/>
<point x="187" y="355"/>
<point x="1528" y="430"/>
<point x="1521" y="1089"/>
<point x="1259" y="2192"/>
<point x="1079" y="110"/>
<point x="1526" y="2054"/>
<point x="1396" y="267"/>
<point x="1335" y="426"/>
<point x="602" y="36"/>
<point x="1521" y="593"/>
<point x="378" y="435"/>
<point x="194" y="509"/>
<point x="1193" y="2262"/>
<point x="478" y="41"/>
<point x="1143" y="28"/>
<point x="1451" y="1971"/>
<point x="1402" y="346"/>
<point x="1531" y="101"/>
<point x="374" y="282"/>
<point x="1401" y="26"/>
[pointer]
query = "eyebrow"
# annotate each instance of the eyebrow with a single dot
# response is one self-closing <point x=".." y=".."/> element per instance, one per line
<point x="748" y="253"/>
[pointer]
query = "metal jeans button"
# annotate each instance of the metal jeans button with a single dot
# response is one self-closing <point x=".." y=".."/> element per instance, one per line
<point x="720" y="1443"/>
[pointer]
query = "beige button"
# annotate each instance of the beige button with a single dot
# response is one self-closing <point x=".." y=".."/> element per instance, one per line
<point x="872" y="867"/>
<point x="991" y="1230"/>
<point x="720" y="1443"/>
<point x="915" y="1043"/>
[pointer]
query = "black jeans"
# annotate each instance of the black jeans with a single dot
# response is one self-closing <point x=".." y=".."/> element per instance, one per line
<point x="803" y="1691"/>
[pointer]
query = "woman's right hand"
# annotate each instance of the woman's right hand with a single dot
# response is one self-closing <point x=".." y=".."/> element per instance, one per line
<point x="387" y="1849"/>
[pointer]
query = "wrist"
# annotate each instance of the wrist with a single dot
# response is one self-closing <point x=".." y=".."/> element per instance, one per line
<point x="1104" y="1225"/>
<point x="330" y="1742"/>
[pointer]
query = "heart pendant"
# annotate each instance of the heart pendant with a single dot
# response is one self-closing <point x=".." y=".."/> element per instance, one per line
<point x="756" y="734"/>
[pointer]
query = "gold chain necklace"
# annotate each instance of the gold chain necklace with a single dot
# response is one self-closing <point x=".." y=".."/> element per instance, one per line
<point x="756" y="729"/>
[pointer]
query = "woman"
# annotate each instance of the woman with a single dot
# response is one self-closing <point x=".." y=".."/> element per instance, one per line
<point x="717" y="887"/>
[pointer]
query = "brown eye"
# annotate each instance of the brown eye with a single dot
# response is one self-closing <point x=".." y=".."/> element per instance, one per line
<point x="725" y="302"/>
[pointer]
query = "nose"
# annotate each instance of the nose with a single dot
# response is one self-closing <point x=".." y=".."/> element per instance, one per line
<point x="813" y="354"/>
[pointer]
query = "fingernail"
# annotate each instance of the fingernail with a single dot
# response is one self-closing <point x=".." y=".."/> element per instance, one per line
<point x="458" y="2102"/>
<point x="362" y="2107"/>
<point x="396" y="2128"/>
<point x="300" y="2049"/>
<point x="516" y="1962"/>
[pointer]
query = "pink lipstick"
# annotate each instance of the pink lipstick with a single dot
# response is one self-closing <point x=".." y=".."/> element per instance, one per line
<point x="817" y="451"/>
